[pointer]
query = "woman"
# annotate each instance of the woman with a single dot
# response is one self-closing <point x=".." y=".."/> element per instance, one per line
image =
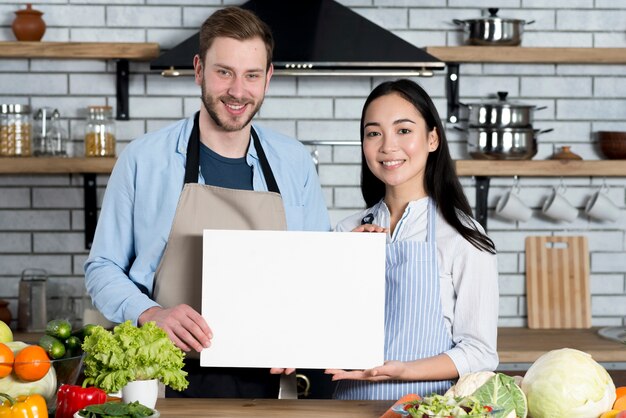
<point x="441" y="307"/>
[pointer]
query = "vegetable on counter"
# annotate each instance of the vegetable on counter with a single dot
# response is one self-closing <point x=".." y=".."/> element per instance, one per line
<point x="14" y="386"/>
<point x="117" y="410"/>
<point x="72" y="398"/>
<point x="129" y="353"/>
<point x="25" y="406"/>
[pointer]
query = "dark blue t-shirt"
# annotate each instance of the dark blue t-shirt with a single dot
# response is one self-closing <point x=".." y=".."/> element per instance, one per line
<point x="231" y="173"/>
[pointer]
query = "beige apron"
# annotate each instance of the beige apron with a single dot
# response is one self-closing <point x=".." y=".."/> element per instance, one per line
<point x="178" y="278"/>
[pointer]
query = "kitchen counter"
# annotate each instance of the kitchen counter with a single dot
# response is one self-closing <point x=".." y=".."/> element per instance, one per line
<point x="233" y="408"/>
<point x="523" y="345"/>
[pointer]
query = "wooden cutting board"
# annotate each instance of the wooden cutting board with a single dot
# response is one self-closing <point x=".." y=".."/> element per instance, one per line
<point x="557" y="282"/>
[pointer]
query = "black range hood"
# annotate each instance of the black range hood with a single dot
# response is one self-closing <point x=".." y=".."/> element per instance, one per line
<point x="320" y="37"/>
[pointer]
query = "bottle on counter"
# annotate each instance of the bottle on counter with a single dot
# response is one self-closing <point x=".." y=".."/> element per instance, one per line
<point x="100" y="132"/>
<point x="15" y="130"/>
<point x="49" y="139"/>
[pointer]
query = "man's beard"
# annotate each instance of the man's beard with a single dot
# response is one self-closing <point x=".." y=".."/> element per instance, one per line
<point x="210" y="106"/>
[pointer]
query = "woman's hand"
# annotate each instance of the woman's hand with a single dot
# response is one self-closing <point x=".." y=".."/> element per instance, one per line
<point x="278" y="370"/>
<point x="391" y="370"/>
<point x="370" y="228"/>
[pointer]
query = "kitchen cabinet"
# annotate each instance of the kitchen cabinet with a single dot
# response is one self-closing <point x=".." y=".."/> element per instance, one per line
<point x="122" y="52"/>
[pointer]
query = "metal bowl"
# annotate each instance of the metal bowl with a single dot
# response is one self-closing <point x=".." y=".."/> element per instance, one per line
<point x="502" y="143"/>
<point x="493" y="30"/>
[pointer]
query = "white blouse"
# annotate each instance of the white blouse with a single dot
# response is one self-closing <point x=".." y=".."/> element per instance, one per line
<point x="469" y="283"/>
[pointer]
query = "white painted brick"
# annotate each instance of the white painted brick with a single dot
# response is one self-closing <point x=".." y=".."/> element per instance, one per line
<point x="169" y="38"/>
<point x="571" y="132"/>
<point x="481" y="87"/>
<point x="51" y="66"/>
<point x="58" y="198"/>
<point x="389" y="18"/>
<point x="328" y="196"/>
<point x="154" y="125"/>
<point x="103" y="84"/>
<point x="438" y="18"/>
<point x="14" y="65"/>
<point x="30" y="220"/>
<point x="508" y="69"/>
<point x="105" y="2"/>
<point x="608" y="40"/>
<point x="328" y="130"/>
<point x="14" y="198"/>
<point x="53" y="264"/>
<point x="608" y="126"/>
<point x="26" y="180"/>
<point x="191" y="106"/>
<point x="324" y="152"/>
<point x="348" y="108"/>
<point x="590" y="69"/>
<point x="508" y="305"/>
<point x="589" y="20"/>
<point x="339" y="174"/>
<point x="193" y="17"/>
<point x="557" y="39"/>
<point x="609" y="262"/>
<point x="555" y="86"/>
<point x="148" y="17"/>
<point x="108" y="35"/>
<point x="172" y="86"/>
<point x="607" y="284"/>
<point x="161" y="107"/>
<point x="559" y="4"/>
<point x="334" y="86"/>
<point x="127" y="130"/>
<point x="608" y="109"/>
<point x="68" y="106"/>
<point x="609" y="87"/>
<point x="297" y="108"/>
<point x="200" y="2"/>
<point x="73" y="15"/>
<point x="365" y="2"/>
<point x="14" y="242"/>
<point x="512" y="322"/>
<point x="56" y="35"/>
<point x="347" y="154"/>
<point x="608" y="305"/>
<point x="397" y="3"/>
<point x="508" y="241"/>
<point x="348" y="197"/>
<point x="512" y="284"/>
<point x="282" y="86"/>
<point x="606" y="322"/>
<point x="484" y="4"/>
<point x="59" y="243"/>
<point x="284" y="127"/>
<point x="21" y="83"/>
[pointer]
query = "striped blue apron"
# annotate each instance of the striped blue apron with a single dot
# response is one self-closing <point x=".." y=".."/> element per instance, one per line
<point x="414" y="323"/>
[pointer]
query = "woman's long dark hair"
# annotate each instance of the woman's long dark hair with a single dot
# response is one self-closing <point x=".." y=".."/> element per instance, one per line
<point x="440" y="179"/>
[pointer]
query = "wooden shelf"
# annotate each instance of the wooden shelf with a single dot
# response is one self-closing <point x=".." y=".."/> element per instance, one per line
<point x="489" y="168"/>
<point x="80" y="50"/>
<point x="517" y="54"/>
<point x="51" y="165"/>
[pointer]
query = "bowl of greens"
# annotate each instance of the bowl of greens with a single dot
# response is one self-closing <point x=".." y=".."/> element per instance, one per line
<point x="118" y="410"/>
<point x="438" y="406"/>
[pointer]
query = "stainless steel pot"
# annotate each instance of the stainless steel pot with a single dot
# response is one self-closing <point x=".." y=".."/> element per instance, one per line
<point x="502" y="143"/>
<point x="493" y="30"/>
<point x="501" y="113"/>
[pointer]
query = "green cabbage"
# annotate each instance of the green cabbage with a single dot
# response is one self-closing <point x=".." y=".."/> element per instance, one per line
<point x="567" y="383"/>
<point x="12" y="386"/>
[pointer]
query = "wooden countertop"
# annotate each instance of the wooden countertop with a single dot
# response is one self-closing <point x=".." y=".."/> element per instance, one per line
<point x="523" y="345"/>
<point x="275" y="408"/>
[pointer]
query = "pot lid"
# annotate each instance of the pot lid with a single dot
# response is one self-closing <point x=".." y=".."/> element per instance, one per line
<point x="493" y="17"/>
<point x="501" y="101"/>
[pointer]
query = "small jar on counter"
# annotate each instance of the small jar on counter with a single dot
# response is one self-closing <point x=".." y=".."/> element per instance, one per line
<point x="100" y="132"/>
<point x="15" y="130"/>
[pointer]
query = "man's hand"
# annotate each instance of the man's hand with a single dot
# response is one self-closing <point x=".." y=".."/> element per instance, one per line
<point x="186" y="328"/>
<point x="277" y="370"/>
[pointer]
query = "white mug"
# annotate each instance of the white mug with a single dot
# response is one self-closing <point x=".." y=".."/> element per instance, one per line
<point x="511" y="207"/>
<point x="600" y="206"/>
<point x="558" y="208"/>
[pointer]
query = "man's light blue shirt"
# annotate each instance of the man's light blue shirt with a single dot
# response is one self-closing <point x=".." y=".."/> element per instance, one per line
<point x="140" y="202"/>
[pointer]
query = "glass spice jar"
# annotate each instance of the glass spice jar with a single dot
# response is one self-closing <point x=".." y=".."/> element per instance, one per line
<point x="49" y="139"/>
<point x="100" y="132"/>
<point x="15" y="130"/>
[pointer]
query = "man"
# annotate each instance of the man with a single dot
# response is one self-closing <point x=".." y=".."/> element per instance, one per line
<point x="145" y="262"/>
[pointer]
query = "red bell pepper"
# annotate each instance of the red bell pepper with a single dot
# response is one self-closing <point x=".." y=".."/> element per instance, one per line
<point x="72" y="398"/>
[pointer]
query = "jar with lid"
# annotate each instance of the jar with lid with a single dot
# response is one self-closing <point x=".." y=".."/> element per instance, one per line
<point x="100" y="132"/>
<point x="15" y="130"/>
<point x="49" y="139"/>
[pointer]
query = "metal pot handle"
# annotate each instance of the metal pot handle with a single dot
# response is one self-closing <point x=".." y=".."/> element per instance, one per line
<point x="459" y="22"/>
<point x="544" y="131"/>
<point x="530" y="22"/>
<point x="460" y="129"/>
<point x="541" y="107"/>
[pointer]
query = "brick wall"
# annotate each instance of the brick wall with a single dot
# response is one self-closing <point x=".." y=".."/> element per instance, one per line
<point x="41" y="219"/>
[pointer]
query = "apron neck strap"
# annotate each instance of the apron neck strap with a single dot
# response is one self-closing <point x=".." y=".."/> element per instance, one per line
<point x="193" y="157"/>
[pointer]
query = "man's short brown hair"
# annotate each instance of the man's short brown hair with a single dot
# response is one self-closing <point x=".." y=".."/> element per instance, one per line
<point x="236" y="23"/>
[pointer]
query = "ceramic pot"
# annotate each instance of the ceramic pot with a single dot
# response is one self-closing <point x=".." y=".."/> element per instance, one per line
<point x="28" y="24"/>
<point x="144" y="391"/>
